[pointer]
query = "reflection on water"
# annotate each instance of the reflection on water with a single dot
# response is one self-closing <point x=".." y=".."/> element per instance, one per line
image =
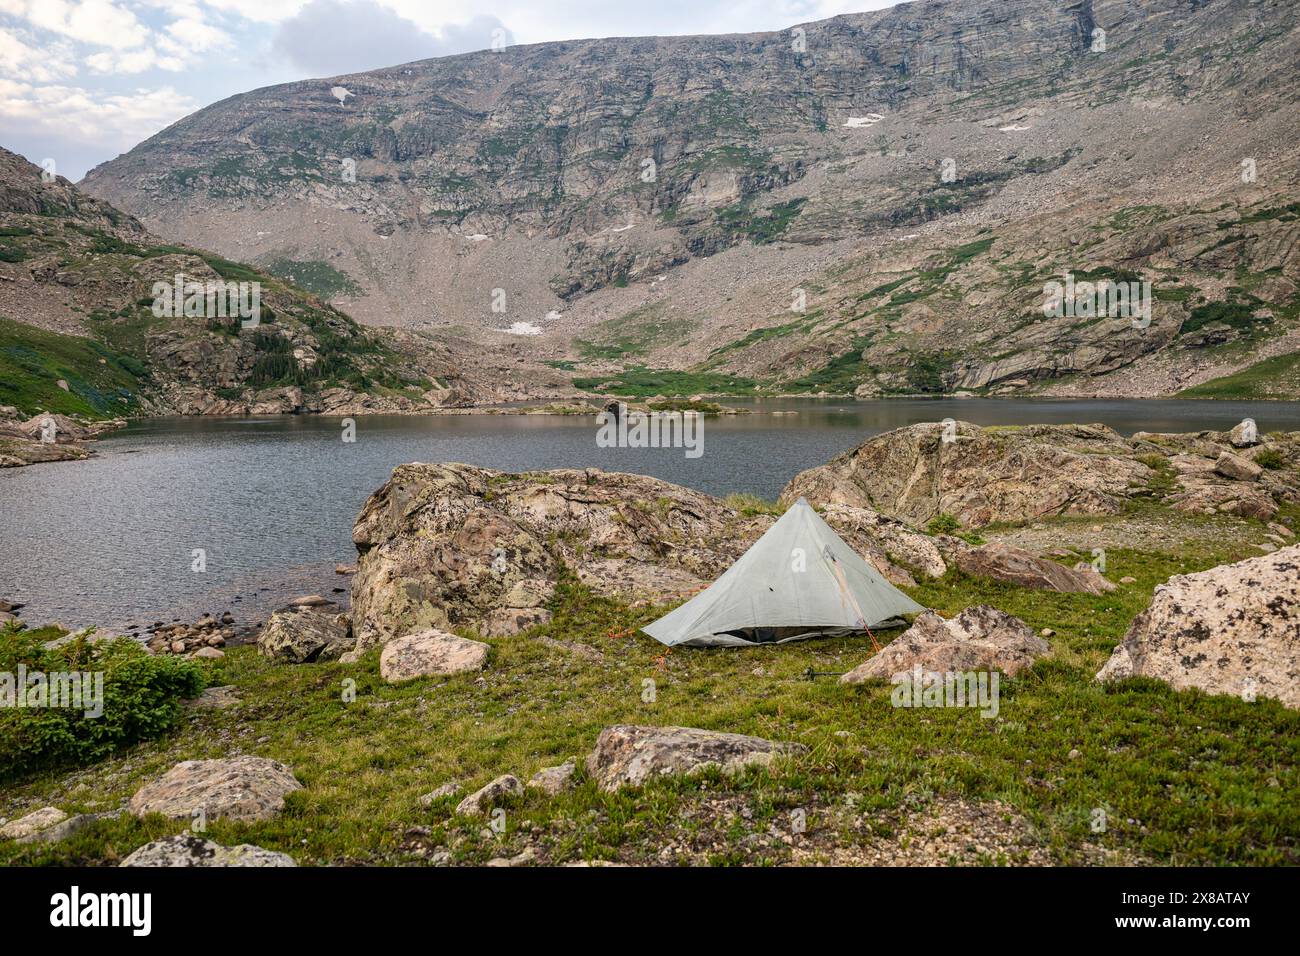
<point x="271" y="501"/>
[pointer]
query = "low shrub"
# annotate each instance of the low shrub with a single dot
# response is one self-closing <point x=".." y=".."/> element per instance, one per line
<point x="141" y="698"/>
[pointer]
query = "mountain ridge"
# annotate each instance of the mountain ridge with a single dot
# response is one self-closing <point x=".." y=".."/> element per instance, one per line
<point x="539" y="199"/>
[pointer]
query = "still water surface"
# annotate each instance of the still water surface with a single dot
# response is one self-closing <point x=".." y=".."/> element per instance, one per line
<point x="272" y="500"/>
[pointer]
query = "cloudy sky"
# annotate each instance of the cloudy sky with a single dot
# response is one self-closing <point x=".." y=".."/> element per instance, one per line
<point x="84" y="80"/>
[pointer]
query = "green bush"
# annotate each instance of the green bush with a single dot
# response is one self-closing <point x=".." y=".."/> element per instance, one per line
<point x="142" y="697"/>
<point x="1270" y="458"/>
<point x="943" y="524"/>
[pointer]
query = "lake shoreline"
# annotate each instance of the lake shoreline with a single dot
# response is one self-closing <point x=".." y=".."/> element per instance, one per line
<point x="271" y="500"/>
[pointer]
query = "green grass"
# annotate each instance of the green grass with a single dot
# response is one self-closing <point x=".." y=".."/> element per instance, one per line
<point x="761" y="227"/>
<point x="1273" y="378"/>
<point x="101" y="382"/>
<point x="1185" y="778"/>
<point x="1237" y="315"/>
<point x="315" y="276"/>
<point x="637" y="333"/>
<point x="840" y="376"/>
<point x="643" y="382"/>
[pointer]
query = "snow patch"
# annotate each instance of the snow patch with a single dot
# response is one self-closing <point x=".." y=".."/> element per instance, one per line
<point x="521" y="328"/>
<point x="861" y="122"/>
<point x="1013" y="128"/>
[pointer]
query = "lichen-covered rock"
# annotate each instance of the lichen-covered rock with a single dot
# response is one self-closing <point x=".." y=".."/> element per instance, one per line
<point x="554" y="780"/>
<point x="32" y="824"/>
<point x="491" y="795"/>
<point x="430" y="653"/>
<point x="629" y="755"/>
<point x="449" y="789"/>
<point x="1012" y="565"/>
<point x="189" y="850"/>
<point x="980" y="638"/>
<point x="302" y="636"/>
<point x="238" y="788"/>
<point x="451" y="545"/>
<point x="1239" y="469"/>
<point x="1234" y="629"/>
<point x="1017" y="474"/>
<point x="979" y="475"/>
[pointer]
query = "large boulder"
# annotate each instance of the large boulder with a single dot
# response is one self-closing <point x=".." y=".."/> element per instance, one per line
<point x="430" y="653"/>
<point x="979" y="475"/>
<point x="980" y="638"/>
<point x="1244" y="434"/>
<point x="304" y="635"/>
<point x="449" y="546"/>
<point x="189" y="850"/>
<point x="629" y="755"/>
<point x="1012" y="565"/>
<point x="239" y="788"/>
<point x="1234" y="629"/>
<point x="1237" y="468"/>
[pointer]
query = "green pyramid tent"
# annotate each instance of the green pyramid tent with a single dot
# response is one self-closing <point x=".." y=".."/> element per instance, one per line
<point x="799" y="580"/>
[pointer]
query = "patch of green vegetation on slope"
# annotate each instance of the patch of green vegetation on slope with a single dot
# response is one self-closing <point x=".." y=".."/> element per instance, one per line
<point x="642" y="382"/>
<point x="842" y="374"/>
<point x="101" y="382"/>
<point x="315" y="276"/>
<point x="635" y="334"/>
<point x="742" y="222"/>
<point x="1276" y="378"/>
<point x="761" y="335"/>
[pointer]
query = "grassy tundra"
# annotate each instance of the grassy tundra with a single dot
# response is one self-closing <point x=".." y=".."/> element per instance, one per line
<point x="1182" y="777"/>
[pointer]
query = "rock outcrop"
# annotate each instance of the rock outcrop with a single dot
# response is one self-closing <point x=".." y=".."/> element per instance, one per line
<point x="189" y="850"/>
<point x="982" y="476"/>
<point x="238" y="788"/>
<point x="430" y="653"/>
<point x="979" y="475"/>
<point x="629" y="755"/>
<point x="1012" y="565"/>
<point x="980" y="638"/>
<point x="1234" y="629"/>
<point x="453" y="545"/>
<point x="303" y="635"/>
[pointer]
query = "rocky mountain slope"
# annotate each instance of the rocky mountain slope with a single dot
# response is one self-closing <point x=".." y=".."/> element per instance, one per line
<point x="79" y="335"/>
<point x="870" y="203"/>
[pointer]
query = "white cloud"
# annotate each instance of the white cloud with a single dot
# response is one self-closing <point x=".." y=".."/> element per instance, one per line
<point x="195" y="34"/>
<point x="133" y="61"/>
<point x="117" y="121"/>
<point x="97" y="22"/>
<point x="260" y="11"/>
<point x="45" y="65"/>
